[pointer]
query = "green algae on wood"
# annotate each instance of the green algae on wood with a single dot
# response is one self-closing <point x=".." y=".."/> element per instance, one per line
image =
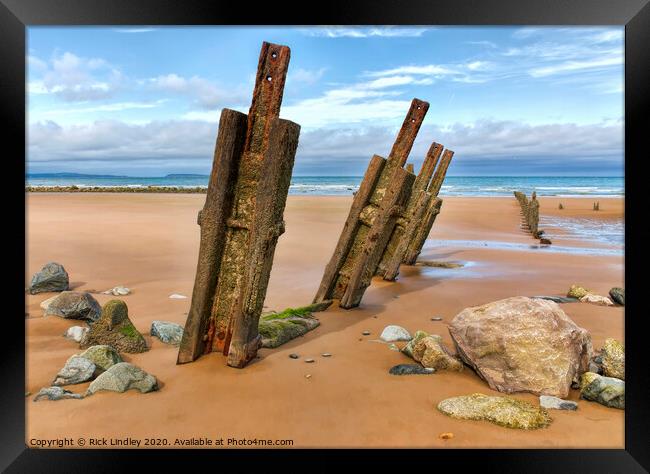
<point x="503" y="411"/>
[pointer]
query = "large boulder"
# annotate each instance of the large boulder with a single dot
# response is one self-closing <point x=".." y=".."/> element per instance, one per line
<point x="76" y="370"/>
<point x="618" y="295"/>
<point x="114" y="328"/>
<point x="122" y="377"/>
<point x="167" y="332"/>
<point x="522" y="344"/>
<point x="503" y="411"/>
<point x="613" y="359"/>
<point x="52" y="277"/>
<point x="607" y="391"/>
<point x="74" y="305"/>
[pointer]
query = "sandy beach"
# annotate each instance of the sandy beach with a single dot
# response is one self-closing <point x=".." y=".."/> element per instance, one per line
<point x="149" y="243"/>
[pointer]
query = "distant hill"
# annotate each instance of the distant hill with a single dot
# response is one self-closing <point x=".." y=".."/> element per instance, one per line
<point x="187" y="175"/>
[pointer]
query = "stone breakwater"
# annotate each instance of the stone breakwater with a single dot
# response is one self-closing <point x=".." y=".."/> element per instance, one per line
<point x="117" y="189"/>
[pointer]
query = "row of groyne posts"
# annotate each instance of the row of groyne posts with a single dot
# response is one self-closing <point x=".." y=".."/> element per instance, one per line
<point x="530" y="215"/>
<point x="391" y="216"/>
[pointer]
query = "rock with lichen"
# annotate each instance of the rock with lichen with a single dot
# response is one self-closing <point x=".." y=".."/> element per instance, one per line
<point x="279" y="328"/>
<point x="522" y="344"/>
<point x="503" y="411"/>
<point x="52" y="277"/>
<point x="577" y="291"/>
<point x="607" y="391"/>
<point x="114" y="328"/>
<point x="613" y="359"/>
<point x="103" y="356"/>
<point x="417" y="337"/>
<point x="76" y="370"/>
<point x="431" y="352"/>
<point x="122" y="377"/>
<point x="74" y="305"/>
<point x="167" y="332"/>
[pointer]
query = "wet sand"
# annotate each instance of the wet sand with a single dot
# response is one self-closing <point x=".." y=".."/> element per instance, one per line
<point x="149" y="243"/>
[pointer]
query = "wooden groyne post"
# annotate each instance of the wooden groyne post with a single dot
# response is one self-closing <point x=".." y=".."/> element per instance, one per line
<point x="529" y="212"/>
<point x="242" y="219"/>
<point x="408" y="223"/>
<point x="377" y="204"/>
<point x="422" y="230"/>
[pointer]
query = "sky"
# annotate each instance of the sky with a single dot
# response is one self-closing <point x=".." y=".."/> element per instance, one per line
<point x="509" y="101"/>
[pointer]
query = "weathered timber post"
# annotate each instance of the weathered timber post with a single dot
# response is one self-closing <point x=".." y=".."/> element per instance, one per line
<point x="377" y="204"/>
<point x="242" y="219"/>
<point x="414" y="247"/>
<point x="533" y="215"/>
<point x="408" y="223"/>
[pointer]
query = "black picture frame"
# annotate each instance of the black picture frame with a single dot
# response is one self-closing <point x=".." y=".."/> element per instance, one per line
<point x="16" y="15"/>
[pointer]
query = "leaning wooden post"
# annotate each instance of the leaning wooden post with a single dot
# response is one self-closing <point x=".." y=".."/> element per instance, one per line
<point x="408" y="223"/>
<point x="420" y="235"/>
<point x="377" y="204"/>
<point x="242" y="219"/>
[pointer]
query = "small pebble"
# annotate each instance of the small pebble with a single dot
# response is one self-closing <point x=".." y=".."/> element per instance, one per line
<point x="294" y="356"/>
<point x="326" y="354"/>
<point x="308" y="376"/>
<point x="366" y="333"/>
<point x="436" y="318"/>
<point x="446" y="435"/>
<point x="309" y="361"/>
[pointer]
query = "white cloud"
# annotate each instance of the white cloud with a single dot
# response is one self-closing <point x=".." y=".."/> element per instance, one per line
<point x="572" y="66"/>
<point x="134" y="30"/>
<point x="364" y="32"/>
<point x="308" y="76"/>
<point x="73" y="78"/>
<point x="205" y="93"/>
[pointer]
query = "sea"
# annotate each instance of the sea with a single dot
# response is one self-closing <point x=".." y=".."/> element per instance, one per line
<point x="346" y="185"/>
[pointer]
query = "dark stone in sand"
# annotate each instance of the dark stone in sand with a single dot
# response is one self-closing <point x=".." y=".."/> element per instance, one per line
<point x="557" y="299"/>
<point x="618" y="295"/>
<point x="52" y="277"/>
<point x="294" y="356"/>
<point x="75" y="305"/>
<point x="410" y="369"/>
<point x="545" y="241"/>
<point x="366" y="333"/>
<point x="436" y="318"/>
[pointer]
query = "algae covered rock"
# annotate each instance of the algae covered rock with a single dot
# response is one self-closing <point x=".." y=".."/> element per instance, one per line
<point x="55" y="393"/>
<point x="607" y="391"/>
<point x="431" y="352"/>
<point x="613" y="359"/>
<point x="503" y="411"/>
<point x="122" y="377"/>
<point x="167" y="332"/>
<point x="76" y="370"/>
<point x="395" y="333"/>
<point x="52" y="277"/>
<point x="74" y="305"/>
<point x="522" y="344"/>
<point x="114" y="328"/>
<point x="103" y="356"/>
<point x="577" y="291"/>
<point x="278" y="328"/>
<point x="618" y="295"/>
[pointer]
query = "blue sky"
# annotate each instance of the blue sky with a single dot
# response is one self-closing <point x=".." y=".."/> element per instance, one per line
<point x="145" y="101"/>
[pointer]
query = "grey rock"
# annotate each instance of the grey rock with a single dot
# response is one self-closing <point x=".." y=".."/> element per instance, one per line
<point x="103" y="356"/>
<point x="618" y="295"/>
<point x="46" y="303"/>
<point x="167" y="332"/>
<point x="607" y="391"/>
<point x="52" y="277"/>
<point x="118" y="291"/>
<point x="75" y="333"/>
<point x="410" y="369"/>
<point x="557" y="299"/>
<point x="555" y="403"/>
<point x="122" y="377"/>
<point x="76" y="370"/>
<point x="394" y="333"/>
<point x="74" y="305"/>
<point x="55" y="393"/>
